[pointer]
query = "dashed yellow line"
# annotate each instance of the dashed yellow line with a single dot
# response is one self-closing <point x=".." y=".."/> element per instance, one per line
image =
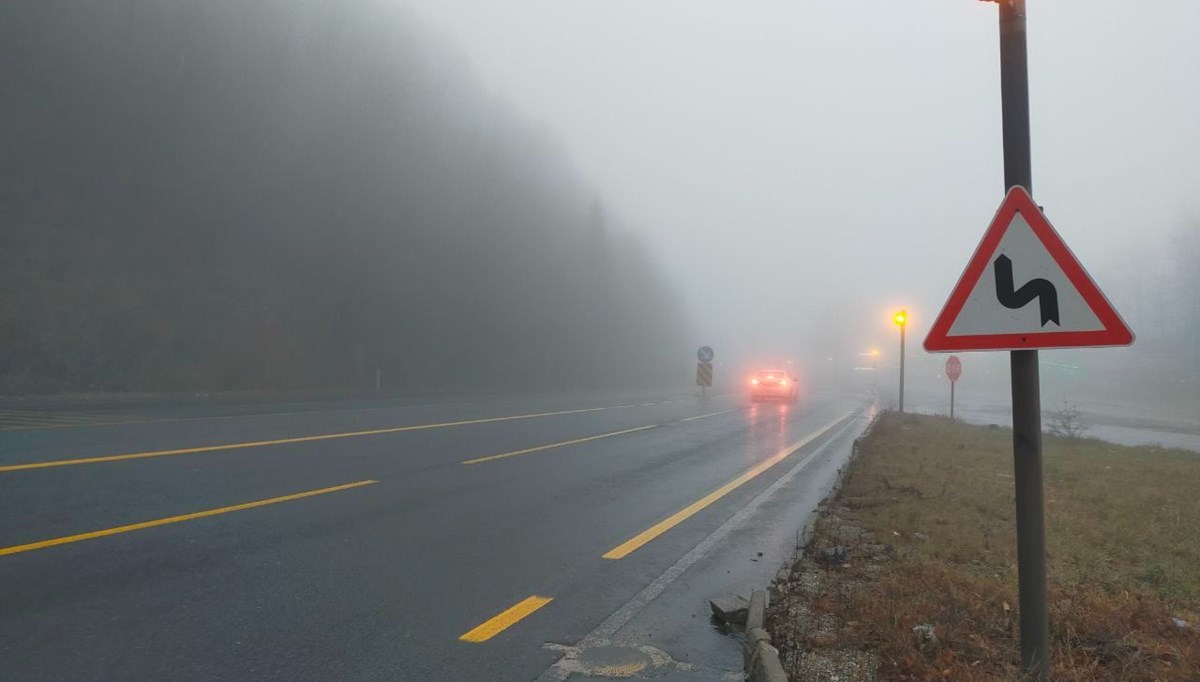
<point x="576" y="441"/>
<point x="285" y="441"/>
<point x="710" y="414"/>
<point x="632" y="544"/>
<point x="514" y="453"/>
<point x="504" y="620"/>
<point x="16" y="549"/>
<point x="14" y="420"/>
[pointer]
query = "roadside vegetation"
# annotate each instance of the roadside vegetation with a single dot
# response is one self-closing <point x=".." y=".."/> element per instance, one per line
<point x="911" y="571"/>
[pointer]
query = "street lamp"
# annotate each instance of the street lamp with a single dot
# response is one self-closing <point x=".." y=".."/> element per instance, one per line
<point x="901" y="320"/>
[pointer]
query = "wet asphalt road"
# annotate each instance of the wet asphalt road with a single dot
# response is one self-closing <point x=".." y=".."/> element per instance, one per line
<point x="350" y="541"/>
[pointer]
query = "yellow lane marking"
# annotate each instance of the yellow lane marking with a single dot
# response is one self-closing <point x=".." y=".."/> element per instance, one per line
<point x="631" y="545"/>
<point x="711" y="414"/>
<point x="504" y="620"/>
<point x="549" y="446"/>
<point x="561" y="444"/>
<point x="67" y="416"/>
<point x="285" y="441"/>
<point x="16" y="549"/>
<point x="34" y="417"/>
<point x="14" y="420"/>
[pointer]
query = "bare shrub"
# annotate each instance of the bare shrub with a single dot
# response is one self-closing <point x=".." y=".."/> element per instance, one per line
<point x="1067" y="422"/>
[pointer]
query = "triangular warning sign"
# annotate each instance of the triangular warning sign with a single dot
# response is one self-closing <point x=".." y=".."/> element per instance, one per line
<point x="1024" y="289"/>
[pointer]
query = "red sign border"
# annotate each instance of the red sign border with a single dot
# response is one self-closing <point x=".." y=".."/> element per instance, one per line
<point x="1114" y="333"/>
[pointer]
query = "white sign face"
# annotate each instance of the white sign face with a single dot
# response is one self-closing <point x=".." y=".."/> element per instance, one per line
<point x="1024" y="288"/>
<point x="1061" y="305"/>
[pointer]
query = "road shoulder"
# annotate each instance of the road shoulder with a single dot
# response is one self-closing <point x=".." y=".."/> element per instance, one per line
<point x="670" y="621"/>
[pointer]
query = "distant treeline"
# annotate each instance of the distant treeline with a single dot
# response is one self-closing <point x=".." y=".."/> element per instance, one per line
<point x="289" y="194"/>
<point x="1159" y="295"/>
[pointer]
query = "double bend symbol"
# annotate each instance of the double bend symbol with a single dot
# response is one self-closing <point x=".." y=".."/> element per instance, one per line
<point x="1040" y="289"/>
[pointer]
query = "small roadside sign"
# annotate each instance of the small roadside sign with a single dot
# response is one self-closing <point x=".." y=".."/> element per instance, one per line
<point x="704" y="374"/>
<point x="704" y="354"/>
<point x="953" y="372"/>
<point x="953" y="368"/>
<point x="1024" y="289"/>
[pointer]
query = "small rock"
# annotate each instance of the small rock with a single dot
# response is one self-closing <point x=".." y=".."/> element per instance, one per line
<point x="835" y="555"/>
<point x="730" y="608"/>
<point x="920" y="536"/>
<point x="925" y="634"/>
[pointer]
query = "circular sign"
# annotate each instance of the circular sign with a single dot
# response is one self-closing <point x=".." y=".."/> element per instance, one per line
<point x="705" y="354"/>
<point x="953" y="368"/>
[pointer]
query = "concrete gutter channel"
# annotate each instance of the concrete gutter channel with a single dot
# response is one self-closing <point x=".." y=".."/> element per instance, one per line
<point x="759" y="657"/>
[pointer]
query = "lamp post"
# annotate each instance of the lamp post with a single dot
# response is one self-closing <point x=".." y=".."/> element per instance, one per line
<point x="901" y="320"/>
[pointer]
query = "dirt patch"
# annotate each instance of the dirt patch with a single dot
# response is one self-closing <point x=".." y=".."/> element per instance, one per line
<point x="910" y="573"/>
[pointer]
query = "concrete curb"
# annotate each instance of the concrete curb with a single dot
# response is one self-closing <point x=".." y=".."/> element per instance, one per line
<point x="761" y="660"/>
<point x="756" y="617"/>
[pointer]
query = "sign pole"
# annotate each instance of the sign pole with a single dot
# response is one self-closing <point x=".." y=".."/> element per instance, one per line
<point x="993" y="326"/>
<point x="902" y="320"/>
<point x="1026" y="391"/>
<point x="953" y="372"/>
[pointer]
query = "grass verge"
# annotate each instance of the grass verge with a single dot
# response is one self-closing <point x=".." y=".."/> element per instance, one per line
<point x="911" y="570"/>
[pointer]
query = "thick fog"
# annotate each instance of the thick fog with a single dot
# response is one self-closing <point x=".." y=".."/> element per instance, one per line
<point x="551" y="193"/>
<point x="231" y="195"/>
<point x="803" y="169"/>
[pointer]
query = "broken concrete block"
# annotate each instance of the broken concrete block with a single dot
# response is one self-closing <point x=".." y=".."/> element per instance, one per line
<point x="730" y="608"/>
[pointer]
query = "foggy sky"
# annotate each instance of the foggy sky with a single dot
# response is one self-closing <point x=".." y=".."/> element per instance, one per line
<point x="800" y="168"/>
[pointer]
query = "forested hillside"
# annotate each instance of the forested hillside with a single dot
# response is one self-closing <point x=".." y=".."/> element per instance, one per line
<point x="289" y="194"/>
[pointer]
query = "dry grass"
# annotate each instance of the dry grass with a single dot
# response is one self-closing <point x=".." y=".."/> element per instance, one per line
<point x="927" y="511"/>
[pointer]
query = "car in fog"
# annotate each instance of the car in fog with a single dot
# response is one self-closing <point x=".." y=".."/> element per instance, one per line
<point x="774" y="384"/>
